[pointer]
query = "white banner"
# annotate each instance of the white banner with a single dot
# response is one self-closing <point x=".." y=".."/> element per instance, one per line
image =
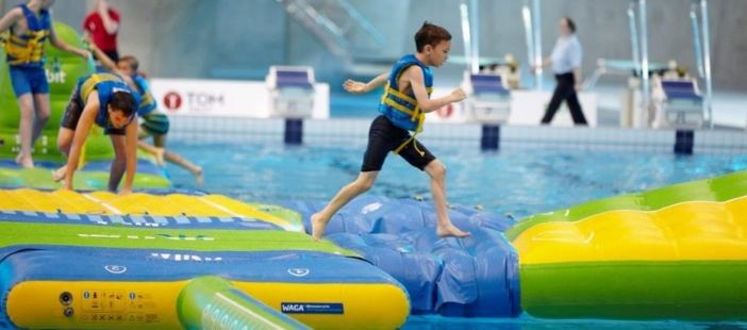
<point x="527" y="109"/>
<point x="185" y="97"/>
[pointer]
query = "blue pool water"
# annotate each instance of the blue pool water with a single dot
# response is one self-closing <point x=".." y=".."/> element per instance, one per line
<point x="517" y="182"/>
<point x="528" y="323"/>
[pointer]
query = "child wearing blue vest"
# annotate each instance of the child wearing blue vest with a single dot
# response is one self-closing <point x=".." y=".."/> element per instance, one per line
<point x="106" y="100"/>
<point x="30" y="26"/>
<point x="403" y="106"/>
<point x="154" y="123"/>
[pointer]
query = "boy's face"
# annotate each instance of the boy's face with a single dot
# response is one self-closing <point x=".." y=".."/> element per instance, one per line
<point x="117" y="117"/>
<point x="437" y="55"/>
<point x="125" y="68"/>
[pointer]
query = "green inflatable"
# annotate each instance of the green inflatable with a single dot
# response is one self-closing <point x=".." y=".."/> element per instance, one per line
<point x="717" y="189"/>
<point x="677" y="252"/>
<point x="63" y="71"/>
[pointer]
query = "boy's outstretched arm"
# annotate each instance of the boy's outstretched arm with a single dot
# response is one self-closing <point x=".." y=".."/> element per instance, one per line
<point x="414" y="75"/>
<point x="357" y="87"/>
<point x="131" y="154"/>
<point x="105" y="60"/>
<point x="109" y="64"/>
<point x="81" y="134"/>
<point x="10" y="18"/>
<point x="61" y="45"/>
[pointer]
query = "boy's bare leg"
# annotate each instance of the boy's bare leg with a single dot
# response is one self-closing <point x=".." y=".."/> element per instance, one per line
<point x="319" y="220"/>
<point x="444" y="228"/>
<point x="196" y="170"/>
<point x="64" y="141"/>
<point x="162" y="155"/>
<point x="26" y="105"/>
<point x="157" y="152"/>
<point x="119" y="163"/>
<point x="42" y="115"/>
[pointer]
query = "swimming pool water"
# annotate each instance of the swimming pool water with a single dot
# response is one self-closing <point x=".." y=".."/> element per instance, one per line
<point x="529" y="323"/>
<point x="516" y="182"/>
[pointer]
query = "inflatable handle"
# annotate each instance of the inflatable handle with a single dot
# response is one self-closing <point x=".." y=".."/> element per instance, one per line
<point x="212" y="302"/>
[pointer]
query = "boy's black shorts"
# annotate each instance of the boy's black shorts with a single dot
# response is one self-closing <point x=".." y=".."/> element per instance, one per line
<point x="74" y="110"/>
<point x="384" y="137"/>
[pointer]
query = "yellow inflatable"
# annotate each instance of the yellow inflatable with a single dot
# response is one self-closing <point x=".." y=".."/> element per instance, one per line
<point x="685" y="231"/>
<point x="687" y="260"/>
<point x="65" y="201"/>
<point x="99" y="260"/>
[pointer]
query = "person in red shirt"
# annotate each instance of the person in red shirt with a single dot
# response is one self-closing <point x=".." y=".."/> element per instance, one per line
<point x="102" y="26"/>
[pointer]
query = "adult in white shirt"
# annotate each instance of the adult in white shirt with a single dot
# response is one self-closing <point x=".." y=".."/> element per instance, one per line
<point x="565" y="61"/>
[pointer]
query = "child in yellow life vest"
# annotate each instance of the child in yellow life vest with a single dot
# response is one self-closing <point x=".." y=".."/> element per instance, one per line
<point x="105" y="100"/>
<point x="30" y="26"/>
<point x="153" y="123"/>
<point x="403" y="106"/>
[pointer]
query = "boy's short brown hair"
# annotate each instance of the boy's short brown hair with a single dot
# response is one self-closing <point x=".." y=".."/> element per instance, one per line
<point x="131" y="61"/>
<point x="430" y="34"/>
<point x="124" y="102"/>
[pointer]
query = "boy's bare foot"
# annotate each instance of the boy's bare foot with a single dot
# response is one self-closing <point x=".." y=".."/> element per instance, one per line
<point x="27" y="163"/>
<point x="199" y="178"/>
<point x="318" y="225"/>
<point x="24" y="161"/>
<point x="59" y="174"/>
<point x="158" y="153"/>
<point x="451" y="231"/>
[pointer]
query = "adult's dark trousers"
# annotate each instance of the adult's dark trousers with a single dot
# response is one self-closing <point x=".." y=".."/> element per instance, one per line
<point x="565" y="91"/>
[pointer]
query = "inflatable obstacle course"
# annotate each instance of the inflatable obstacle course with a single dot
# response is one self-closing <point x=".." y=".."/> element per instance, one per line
<point x="63" y="71"/>
<point x="678" y="252"/>
<point x="83" y="261"/>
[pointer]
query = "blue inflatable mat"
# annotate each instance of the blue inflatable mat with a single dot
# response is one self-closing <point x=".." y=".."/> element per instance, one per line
<point x="179" y="221"/>
<point x="40" y="263"/>
<point x="472" y="277"/>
